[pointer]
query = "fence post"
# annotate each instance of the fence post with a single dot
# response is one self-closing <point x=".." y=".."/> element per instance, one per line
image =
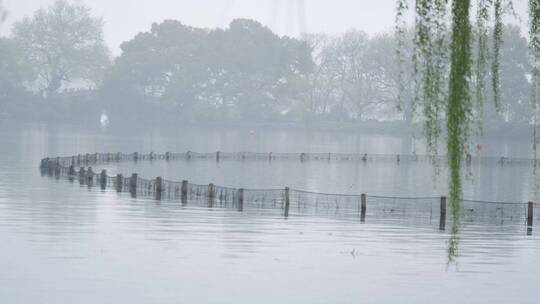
<point x="103" y="179"/>
<point x="530" y="214"/>
<point x="90" y="176"/>
<point x="71" y="172"/>
<point x="159" y="187"/>
<point x="184" y="192"/>
<point x="46" y="166"/>
<point x="44" y="163"/>
<point x="287" y="201"/>
<point x="119" y="183"/>
<point x="240" y="199"/>
<point x="133" y="185"/>
<point x="82" y="175"/>
<point x="363" y="207"/>
<point x="442" y="218"/>
<point x="51" y="167"/>
<point x="57" y="167"/>
<point x="211" y="195"/>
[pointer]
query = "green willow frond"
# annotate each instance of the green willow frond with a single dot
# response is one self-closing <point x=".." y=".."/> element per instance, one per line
<point x="430" y="62"/>
<point x="495" y="64"/>
<point x="534" y="50"/>
<point x="451" y="99"/>
<point x="401" y="8"/>
<point x="482" y="19"/>
<point x="459" y="106"/>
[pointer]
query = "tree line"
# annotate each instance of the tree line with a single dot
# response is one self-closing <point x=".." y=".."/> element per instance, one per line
<point x="55" y="63"/>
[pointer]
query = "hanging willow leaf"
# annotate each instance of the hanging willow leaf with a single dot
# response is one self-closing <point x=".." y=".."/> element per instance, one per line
<point x="430" y="58"/>
<point x="482" y="19"/>
<point x="534" y="50"/>
<point x="401" y="8"/>
<point x="459" y="108"/>
<point x="450" y="99"/>
<point x="497" y="42"/>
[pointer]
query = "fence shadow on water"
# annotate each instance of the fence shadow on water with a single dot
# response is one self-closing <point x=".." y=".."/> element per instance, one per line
<point x="290" y="202"/>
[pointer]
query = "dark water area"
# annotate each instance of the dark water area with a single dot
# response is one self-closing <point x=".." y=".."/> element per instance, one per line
<point x="67" y="243"/>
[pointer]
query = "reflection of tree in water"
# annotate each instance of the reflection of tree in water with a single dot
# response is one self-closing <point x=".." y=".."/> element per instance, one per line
<point x="453" y="242"/>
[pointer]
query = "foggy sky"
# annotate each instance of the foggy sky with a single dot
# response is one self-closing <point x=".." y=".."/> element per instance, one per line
<point x="125" y="18"/>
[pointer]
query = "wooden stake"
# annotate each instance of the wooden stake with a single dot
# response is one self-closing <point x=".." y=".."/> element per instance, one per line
<point x="82" y="175"/>
<point x="363" y="207"/>
<point x="57" y="167"/>
<point x="530" y="214"/>
<point x="133" y="185"/>
<point x="211" y="195"/>
<point x="240" y="199"/>
<point x="71" y="170"/>
<point x="159" y="187"/>
<point x="119" y="183"/>
<point x="442" y="217"/>
<point x="90" y="176"/>
<point x="184" y="192"/>
<point x="103" y="179"/>
<point x="287" y="201"/>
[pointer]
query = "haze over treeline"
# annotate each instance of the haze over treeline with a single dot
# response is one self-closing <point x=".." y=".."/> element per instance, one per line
<point x="55" y="65"/>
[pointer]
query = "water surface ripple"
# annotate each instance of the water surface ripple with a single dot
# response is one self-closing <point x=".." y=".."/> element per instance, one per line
<point x="66" y="243"/>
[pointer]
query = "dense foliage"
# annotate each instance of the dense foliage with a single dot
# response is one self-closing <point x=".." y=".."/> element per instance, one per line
<point x="242" y="73"/>
<point x="246" y="73"/>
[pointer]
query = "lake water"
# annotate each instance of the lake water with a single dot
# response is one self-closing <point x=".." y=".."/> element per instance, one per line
<point x="66" y="243"/>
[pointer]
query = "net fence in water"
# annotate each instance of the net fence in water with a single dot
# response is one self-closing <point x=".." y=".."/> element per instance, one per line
<point x="104" y="158"/>
<point x="289" y="201"/>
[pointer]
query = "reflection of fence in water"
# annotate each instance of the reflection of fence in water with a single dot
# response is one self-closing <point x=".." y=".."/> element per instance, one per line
<point x="290" y="201"/>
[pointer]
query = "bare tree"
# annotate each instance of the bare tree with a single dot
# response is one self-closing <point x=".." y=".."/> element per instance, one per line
<point x="63" y="43"/>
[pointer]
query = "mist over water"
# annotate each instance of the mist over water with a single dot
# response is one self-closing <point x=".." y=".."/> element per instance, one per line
<point x="65" y="242"/>
<point x="338" y="204"/>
